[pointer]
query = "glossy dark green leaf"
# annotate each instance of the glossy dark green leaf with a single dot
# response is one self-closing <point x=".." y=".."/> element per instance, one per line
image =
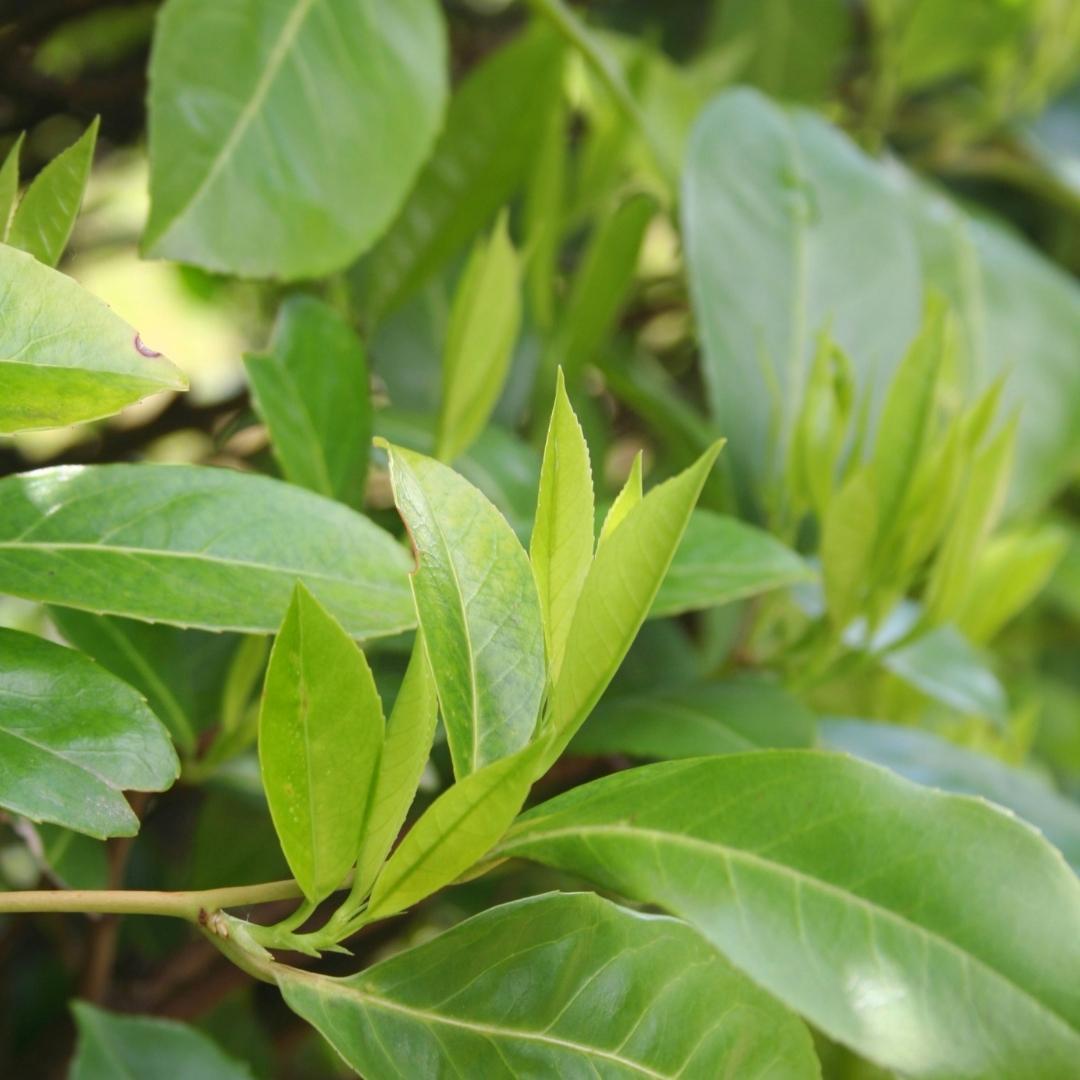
<point x="929" y="759"/>
<point x="888" y="914"/>
<point x="73" y="738"/>
<point x="113" y="1047"/>
<point x="477" y="606"/>
<point x="47" y="211"/>
<point x="64" y="356"/>
<point x="264" y="121"/>
<point x="721" y="559"/>
<point x="493" y="126"/>
<point x="200" y="547"/>
<point x="561" y="546"/>
<point x="311" y="389"/>
<point x="320" y="739"/>
<point x="696" y="720"/>
<point x="597" y="991"/>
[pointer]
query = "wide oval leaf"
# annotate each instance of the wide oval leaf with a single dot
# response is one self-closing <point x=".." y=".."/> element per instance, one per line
<point x="247" y="173"/>
<point x="74" y="738"/>
<point x="64" y="356"/>
<point x="933" y="933"/>
<point x="193" y="546"/>
<point x="564" y="985"/>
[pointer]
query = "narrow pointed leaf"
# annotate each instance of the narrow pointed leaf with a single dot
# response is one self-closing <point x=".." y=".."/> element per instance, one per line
<point x="621" y="586"/>
<point x="561" y="547"/>
<point x="461" y="826"/>
<point x="64" y="356"/>
<point x="311" y="389"/>
<point x="9" y="186"/>
<point x="246" y="176"/>
<point x="630" y="494"/>
<point x="409" y="734"/>
<point x="597" y="991"/>
<point x="47" y="211"/>
<point x="320" y="738"/>
<point x="200" y="547"/>
<point x="847" y="546"/>
<point x="887" y="914"/>
<point x="73" y="738"/>
<point x="477" y="606"/>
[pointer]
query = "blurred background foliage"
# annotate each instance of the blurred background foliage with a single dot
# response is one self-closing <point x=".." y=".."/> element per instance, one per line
<point x="972" y="111"/>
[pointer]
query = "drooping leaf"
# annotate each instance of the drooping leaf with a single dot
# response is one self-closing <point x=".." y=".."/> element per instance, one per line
<point x="47" y="211"/>
<point x="181" y="673"/>
<point x="695" y="720"/>
<point x="311" y="389"/>
<point x="887" y="914"/>
<point x="456" y="831"/>
<point x="246" y="174"/>
<point x="115" y="1047"/>
<point x="484" y="323"/>
<point x="720" y="560"/>
<point x="191" y="546"/>
<point x="64" y="356"/>
<point x="73" y="738"/>
<point x="597" y="991"/>
<point x="9" y="185"/>
<point x="618" y="592"/>
<point x="929" y="759"/>
<point x="493" y="125"/>
<point x="409" y="733"/>
<point x="630" y="494"/>
<point x="320" y="739"/>
<point x="561" y="547"/>
<point x="477" y="607"/>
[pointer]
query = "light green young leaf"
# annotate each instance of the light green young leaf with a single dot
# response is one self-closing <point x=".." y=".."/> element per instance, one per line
<point x="629" y="496"/>
<point x="619" y="589"/>
<point x="493" y="126"/>
<point x="65" y="358"/>
<point x="73" y="738"/>
<point x="311" y="389"/>
<point x="47" y="211"/>
<point x="246" y="177"/>
<point x="409" y="733"/>
<point x="561" y="548"/>
<point x="484" y="324"/>
<point x="847" y="546"/>
<point x="145" y="1048"/>
<point x="598" y="991"/>
<point x="929" y="759"/>
<point x="320" y="738"/>
<point x="477" y="607"/>
<point x="209" y="548"/>
<point x="721" y="559"/>
<point x="9" y="185"/>
<point x="811" y="873"/>
<point x="458" y="829"/>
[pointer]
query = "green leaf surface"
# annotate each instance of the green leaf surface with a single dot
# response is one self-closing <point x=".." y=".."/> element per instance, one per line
<point x="618" y="592"/>
<point x="630" y="494"/>
<point x="597" y="991"/>
<point x="695" y="720"/>
<point x="480" y="337"/>
<point x="320" y="738"/>
<point x="64" y="356"/>
<point x="409" y="734"/>
<point x="494" y="125"/>
<point x="561" y="546"/>
<point x="847" y="546"/>
<point x="9" y="185"/>
<point x="720" y="560"/>
<point x="311" y="389"/>
<point x="247" y="174"/>
<point x="886" y="913"/>
<point x="113" y="1047"/>
<point x="929" y="759"/>
<point x="461" y="826"/>
<point x="74" y="738"/>
<point x="477" y="606"/>
<point x="47" y="211"/>
<point x="195" y="546"/>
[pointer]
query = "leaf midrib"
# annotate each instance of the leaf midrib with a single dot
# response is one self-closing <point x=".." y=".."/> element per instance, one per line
<point x="736" y="855"/>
